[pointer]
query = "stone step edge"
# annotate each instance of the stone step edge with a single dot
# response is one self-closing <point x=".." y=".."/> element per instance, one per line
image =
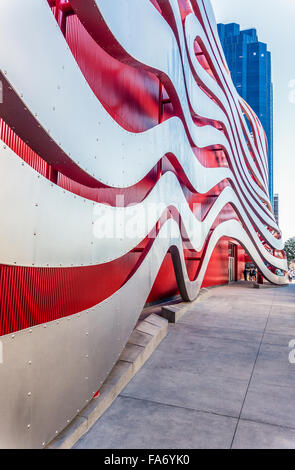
<point x="173" y="313"/>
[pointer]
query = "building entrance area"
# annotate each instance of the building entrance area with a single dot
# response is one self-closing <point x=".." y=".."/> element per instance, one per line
<point x="232" y="272"/>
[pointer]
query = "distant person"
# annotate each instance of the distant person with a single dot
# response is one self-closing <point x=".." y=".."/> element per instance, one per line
<point x="253" y="274"/>
<point x="290" y="275"/>
<point x="246" y="273"/>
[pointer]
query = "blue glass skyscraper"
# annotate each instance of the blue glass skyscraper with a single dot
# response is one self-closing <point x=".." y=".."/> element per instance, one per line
<point x="249" y="62"/>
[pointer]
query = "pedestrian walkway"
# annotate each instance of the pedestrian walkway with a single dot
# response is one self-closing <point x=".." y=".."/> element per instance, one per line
<point x="220" y="379"/>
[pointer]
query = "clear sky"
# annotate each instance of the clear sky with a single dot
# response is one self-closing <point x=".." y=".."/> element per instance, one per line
<point x="275" y="24"/>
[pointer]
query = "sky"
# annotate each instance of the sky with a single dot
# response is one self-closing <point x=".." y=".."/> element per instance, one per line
<point x="275" y="24"/>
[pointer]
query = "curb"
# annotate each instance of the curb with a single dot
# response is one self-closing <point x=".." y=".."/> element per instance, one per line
<point x="173" y="313"/>
<point x="143" y="341"/>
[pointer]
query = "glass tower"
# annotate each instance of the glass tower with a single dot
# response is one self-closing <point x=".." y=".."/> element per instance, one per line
<point x="249" y="62"/>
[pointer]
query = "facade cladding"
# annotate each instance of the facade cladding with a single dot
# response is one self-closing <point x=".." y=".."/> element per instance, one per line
<point x="129" y="177"/>
<point x="276" y="202"/>
<point x="249" y="62"/>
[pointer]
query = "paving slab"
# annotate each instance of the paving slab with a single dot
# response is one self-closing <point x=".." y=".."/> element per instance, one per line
<point x="279" y="339"/>
<point x="174" y="312"/>
<point x="225" y="333"/>
<point x="137" y="424"/>
<point x="273" y="366"/>
<point x="270" y="404"/>
<point x="185" y="350"/>
<point x="215" y="394"/>
<point x="282" y="322"/>
<point x="251" y="435"/>
<point x="234" y="316"/>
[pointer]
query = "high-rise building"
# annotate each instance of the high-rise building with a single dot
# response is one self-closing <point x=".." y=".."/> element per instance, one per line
<point x="249" y="62"/>
<point x="276" y="208"/>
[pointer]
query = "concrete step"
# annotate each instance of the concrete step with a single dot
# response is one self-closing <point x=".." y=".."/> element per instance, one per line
<point x="173" y="313"/>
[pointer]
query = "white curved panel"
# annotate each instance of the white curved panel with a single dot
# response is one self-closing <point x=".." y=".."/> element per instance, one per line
<point x="157" y="56"/>
<point x="74" y="102"/>
<point x="44" y="225"/>
<point x="69" y="99"/>
<point x="260" y="147"/>
<point x="193" y="29"/>
<point x="216" y="52"/>
<point x="71" y="231"/>
<point x="213" y="37"/>
<point x="201" y="103"/>
<point x="154" y="143"/>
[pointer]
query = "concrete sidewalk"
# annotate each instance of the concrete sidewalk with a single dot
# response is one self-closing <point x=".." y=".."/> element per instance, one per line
<point x="220" y="379"/>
